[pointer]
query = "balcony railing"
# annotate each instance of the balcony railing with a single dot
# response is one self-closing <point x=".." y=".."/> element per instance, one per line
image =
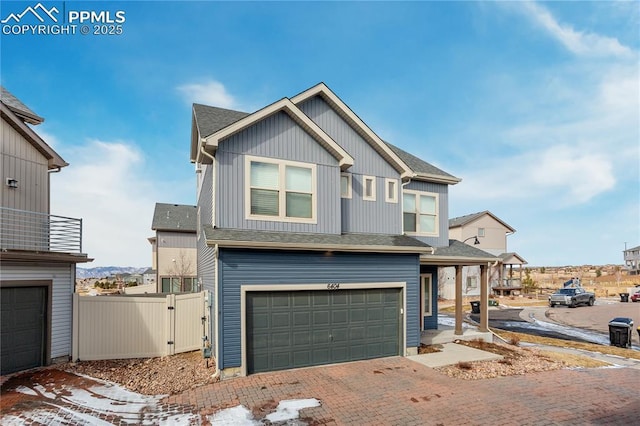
<point x="32" y="231"/>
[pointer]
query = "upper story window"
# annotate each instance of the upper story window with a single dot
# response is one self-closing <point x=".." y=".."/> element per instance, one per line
<point x="369" y="188"/>
<point x="391" y="188"/>
<point x="480" y="232"/>
<point x="345" y="185"/>
<point x="280" y="190"/>
<point x="420" y="213"/>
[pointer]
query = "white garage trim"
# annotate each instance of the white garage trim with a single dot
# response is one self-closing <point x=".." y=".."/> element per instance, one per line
<point x="244" y="289"/>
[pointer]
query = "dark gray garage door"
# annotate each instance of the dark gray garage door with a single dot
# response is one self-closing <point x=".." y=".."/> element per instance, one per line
<point x="23" y="323"/>
<point x="288" y="329"/>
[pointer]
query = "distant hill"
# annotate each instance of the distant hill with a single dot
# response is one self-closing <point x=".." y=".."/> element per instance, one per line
<point x="106" y="271"/>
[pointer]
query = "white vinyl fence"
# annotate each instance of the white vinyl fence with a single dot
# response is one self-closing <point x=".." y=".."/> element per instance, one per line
<point x="116" y="327"/>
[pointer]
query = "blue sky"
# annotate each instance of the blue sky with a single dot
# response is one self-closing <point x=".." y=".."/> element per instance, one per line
<point x="536" y="106"/>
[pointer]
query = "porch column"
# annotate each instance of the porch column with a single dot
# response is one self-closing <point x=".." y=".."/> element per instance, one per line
<point x="458" y="329"/>
<point x="484" y="299"/>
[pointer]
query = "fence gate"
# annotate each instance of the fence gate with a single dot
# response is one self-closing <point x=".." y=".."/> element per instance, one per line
<point x="116" y="327"/>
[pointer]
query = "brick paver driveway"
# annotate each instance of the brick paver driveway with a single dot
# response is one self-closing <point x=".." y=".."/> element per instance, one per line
<point x="399" y="391"/>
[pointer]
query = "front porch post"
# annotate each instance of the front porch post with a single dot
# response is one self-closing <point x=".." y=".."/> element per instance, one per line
<point x="458" y="330"/>
<point x="484" y="300"/>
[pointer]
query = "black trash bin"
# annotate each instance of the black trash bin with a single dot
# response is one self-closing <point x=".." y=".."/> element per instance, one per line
<point x="620" y="332"/>
<point x="624" y="297"/>
<point x="475" y="307"/>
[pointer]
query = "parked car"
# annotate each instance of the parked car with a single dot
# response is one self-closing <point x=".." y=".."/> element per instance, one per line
<point x="572" y="297"/>
<point x="635" y="297"/>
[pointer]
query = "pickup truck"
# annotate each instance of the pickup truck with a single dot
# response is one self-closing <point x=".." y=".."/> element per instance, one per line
<point x="572" y="297"/>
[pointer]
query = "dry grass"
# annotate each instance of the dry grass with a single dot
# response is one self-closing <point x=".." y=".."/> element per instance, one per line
<point x="574" y="360"/>
<point x="592" y="347"/>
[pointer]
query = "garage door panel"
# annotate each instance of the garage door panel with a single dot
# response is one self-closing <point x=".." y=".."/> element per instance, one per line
<point x="303" y="328"/>
<point x="23" y="328"/>
<point x="281" y="320"/>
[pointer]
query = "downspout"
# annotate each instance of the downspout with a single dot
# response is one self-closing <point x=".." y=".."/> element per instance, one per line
<point x="213" y="184"/>
<point x="216" y="337"/>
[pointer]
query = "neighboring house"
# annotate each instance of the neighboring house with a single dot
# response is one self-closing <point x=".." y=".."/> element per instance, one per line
<point x="487" y="232"/>
<point x="173" y="248"/>
<point x="38" y="251"/>
<point x="149" y="276"/>
<point x="632" y="260"/>
<point x="319" y="242"/>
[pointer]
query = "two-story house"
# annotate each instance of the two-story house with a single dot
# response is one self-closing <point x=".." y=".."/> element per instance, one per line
<point x="632" y="260"/>
<point x="489" y="233"/>
<point x="38" y="251"/>
<point x="318" y="241"/>
<point x="173" y="248"/>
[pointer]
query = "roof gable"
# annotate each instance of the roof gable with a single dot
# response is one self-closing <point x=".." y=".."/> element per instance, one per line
<point x="215" y="119"/>
<point x="422" y="169"/>
<point x="54" y="161"/>
<point x="467" y="219"/>
<point x="356" y="123"/>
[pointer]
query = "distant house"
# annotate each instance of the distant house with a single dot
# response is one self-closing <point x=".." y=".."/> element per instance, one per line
<point x="489" y="233"/>
<point x="318" y="241"/>
<point x="632" y="260"/>
<point x="174" y="256"/>
<point x="38" y="251"/>
<point x="149" y="276"/>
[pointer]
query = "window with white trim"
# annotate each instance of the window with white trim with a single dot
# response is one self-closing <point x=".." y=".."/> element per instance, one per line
<point x="480" y="232"/>
<point x="426" y="284"/>
<point x="369" y="188"/>
<point x="280" y="190"/>
<point x="345" y="185"/>
<point x="420" y="213"/>
<point x="391" y="190"/>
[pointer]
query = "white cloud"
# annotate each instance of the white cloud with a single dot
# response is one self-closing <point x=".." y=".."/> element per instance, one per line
<point x="106" y="187"/>
<point x="209" y="93"/>
<point x="578" y="42"/>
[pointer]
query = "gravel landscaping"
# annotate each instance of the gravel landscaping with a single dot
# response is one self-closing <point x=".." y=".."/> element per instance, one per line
<point x="150" y="376"/>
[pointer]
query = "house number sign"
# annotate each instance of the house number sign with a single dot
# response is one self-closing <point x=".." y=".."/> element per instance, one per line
<point x="333" y="286"/>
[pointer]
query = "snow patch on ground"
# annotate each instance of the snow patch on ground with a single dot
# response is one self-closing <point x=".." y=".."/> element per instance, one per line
<point x="79" y="406"/>
<point x="451" y="322"/>
<point x="288" y="409"/>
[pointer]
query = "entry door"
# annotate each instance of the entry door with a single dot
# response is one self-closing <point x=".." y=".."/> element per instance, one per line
<point x="426" y="296"/>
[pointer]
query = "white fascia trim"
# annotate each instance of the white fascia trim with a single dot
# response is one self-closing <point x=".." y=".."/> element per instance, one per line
<point x="318" y="247"/>
<point x="321" y="88"/>
<point x="344" y="159"/>
<point x="455" y="260"/>
<point x="437" y="178"/>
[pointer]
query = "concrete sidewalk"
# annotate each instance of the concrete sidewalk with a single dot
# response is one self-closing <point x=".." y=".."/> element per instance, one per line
<point x="453" y="353"/>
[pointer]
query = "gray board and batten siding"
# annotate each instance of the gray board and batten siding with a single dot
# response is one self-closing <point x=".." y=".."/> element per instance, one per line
<point x="20" y="160"/>
<point x="358" y="215"/>
<point x="176" y="239"/>
<point x="277" y="137"/>
<point x="240" y="267"/>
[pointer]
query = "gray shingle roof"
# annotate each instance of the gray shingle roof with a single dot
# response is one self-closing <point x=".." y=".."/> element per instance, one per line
<point x="211" y="119"/>
<point x="175" y="217"/>
<point x="458" y="249"/>
<point x="418" y="165"/>
<point x="309" y="241"/>
<point x="18" y="108"/>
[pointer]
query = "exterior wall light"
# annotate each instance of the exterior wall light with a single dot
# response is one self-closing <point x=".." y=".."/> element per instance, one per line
<point x="12" y="183"/>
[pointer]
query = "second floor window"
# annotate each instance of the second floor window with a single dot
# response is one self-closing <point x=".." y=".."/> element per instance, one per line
<point x="369" y="188"/>
<point x="420" y="213"/>
<point x="281" y="190"/>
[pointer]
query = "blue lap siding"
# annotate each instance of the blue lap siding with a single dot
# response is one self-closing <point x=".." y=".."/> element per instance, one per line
<point x="254" y="267"/>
